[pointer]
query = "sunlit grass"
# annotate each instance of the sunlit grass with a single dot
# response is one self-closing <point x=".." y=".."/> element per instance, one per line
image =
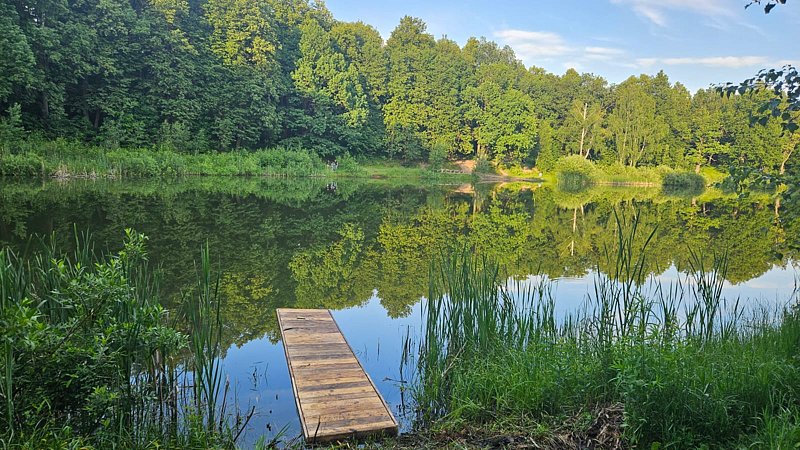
<point x="688" y="366"/>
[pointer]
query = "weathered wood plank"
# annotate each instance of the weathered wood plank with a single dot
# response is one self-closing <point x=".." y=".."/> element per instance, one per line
<point x="335" y="397"/>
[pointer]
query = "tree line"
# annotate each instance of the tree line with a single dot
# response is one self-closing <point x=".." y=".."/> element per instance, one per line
<point x="219" y="75"/>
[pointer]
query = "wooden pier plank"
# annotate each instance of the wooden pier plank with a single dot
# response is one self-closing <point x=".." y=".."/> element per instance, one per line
<point x="335" y="397"/>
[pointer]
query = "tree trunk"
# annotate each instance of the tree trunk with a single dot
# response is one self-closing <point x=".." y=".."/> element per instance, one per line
<point x="574" y="227"/>
<point x="583" y="127"/>
<point x="574" y="219"/>
<point x="697" y="168"/>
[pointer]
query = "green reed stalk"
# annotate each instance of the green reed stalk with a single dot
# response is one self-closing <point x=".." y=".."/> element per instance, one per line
<point x="688" y="367"/>
<point x="205" y="338"/>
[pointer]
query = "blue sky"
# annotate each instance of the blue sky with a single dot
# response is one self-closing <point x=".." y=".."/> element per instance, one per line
<point x="696" y="42"/>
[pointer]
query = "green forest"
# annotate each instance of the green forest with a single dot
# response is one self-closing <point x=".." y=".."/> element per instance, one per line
<point x="222" y="75"/>
<point x="519" y="258"/>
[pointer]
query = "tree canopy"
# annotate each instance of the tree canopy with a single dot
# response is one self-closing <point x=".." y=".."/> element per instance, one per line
<point x="220" y="75"/>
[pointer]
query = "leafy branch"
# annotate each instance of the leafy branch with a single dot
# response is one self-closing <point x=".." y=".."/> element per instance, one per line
<point x="768" y="4"/>
<point x="785" y="85"/>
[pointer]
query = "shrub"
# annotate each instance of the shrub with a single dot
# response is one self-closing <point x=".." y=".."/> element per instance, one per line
<point x="575" y="171"/>
<point x="11" y="131"/>
<point x="23" y="165"/>
<point x="349" y="165"/>
<point x="483" y="165"/>
<point x="87" y="364"/>
<point x="133" y="163"/>
<point x="284" y="161"/>
<point x="684" y="181"/>
<point x="437" y="156"/>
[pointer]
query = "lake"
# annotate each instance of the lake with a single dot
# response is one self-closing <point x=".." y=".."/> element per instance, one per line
<point x="364" y="250"/>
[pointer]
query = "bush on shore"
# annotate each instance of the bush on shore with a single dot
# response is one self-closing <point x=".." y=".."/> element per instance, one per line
<point x="684" y="181"/>
<point x="91" y="359"/>
<point x="575" y="172"/>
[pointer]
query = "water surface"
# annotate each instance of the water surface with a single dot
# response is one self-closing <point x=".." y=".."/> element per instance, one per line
<point x="363" y="249"/>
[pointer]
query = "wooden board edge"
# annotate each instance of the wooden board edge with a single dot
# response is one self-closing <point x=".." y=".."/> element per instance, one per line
<point x="374" y="387"/>
<point x="391" y="431"/>
<point x="291" y="376"/>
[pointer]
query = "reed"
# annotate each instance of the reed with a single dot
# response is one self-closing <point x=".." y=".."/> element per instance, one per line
<point x="205" y="336"/>
<point x="91" y="358"/>
<point x="688" y="367"/>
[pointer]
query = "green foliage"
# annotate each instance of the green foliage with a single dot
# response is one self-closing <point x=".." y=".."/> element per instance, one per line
<point x="686" y="181"/>
<point x="437" y="157"/>
<point x="205" y="342"/>
<point x="584" y="127"/>
<point x="280" y="161"/>
<point x="619" y="174"/>
<point x="491" y="350"/>
<point x="17" y="66"/>
<point x="784" y="85"/>
<point x="634" y="123"/>
<point x="94" y="360"/>
<point x="546" y="148"/>
<point x="329" y="276"/>
<point x="575" y="171"/>
<point x="242" y="32"/>
<point x="64" y="160"/>
<point x="349" y="165"/>
<point x="236" y="76"/>
<point x="22" y="165"/>
<point x="11" y="131"/>
<point x="483" y="165"/>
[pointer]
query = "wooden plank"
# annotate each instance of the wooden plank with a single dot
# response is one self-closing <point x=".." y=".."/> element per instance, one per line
<point x="322" y="406"/>
<point x="335" y="397"/>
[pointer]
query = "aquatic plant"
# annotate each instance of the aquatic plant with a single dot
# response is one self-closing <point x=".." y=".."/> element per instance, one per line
<point x="686" y="366"/>
<point x="90" y="357"/>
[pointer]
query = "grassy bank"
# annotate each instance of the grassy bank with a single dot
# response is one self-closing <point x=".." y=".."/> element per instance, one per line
<point x="575" y="172"/>
<point x="382" y="168"/>
<point x="639" y="365"/>
<point x="91" y="359"/>
<point x="63" y="159"/>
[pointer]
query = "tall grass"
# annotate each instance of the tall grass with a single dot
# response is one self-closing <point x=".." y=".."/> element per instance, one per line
<point x="62" y="159"/>
<point x="205" y="337"/>
<point x="91" y="358"/>
<point x="687" y="367"/>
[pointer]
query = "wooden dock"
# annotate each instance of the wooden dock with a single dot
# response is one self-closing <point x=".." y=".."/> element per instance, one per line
<point x="335" y="397"/>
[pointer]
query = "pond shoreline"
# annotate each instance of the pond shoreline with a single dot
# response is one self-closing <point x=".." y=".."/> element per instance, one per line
<point x="363" y="248"/>
<point x="58" y="160"/>
<point x="373" y="172"/>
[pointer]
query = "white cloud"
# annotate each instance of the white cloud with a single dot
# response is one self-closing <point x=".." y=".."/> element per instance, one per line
<point x="709" y="61"/>
<point x="534" y="44"/>
<point x="602" y="53"/>
<point x="537" y="46"/>
<point x="646" y="62"/>
<point x="655" y="10"/>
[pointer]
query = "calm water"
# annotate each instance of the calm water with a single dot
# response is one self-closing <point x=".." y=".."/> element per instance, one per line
<point x="363" y="250"/>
